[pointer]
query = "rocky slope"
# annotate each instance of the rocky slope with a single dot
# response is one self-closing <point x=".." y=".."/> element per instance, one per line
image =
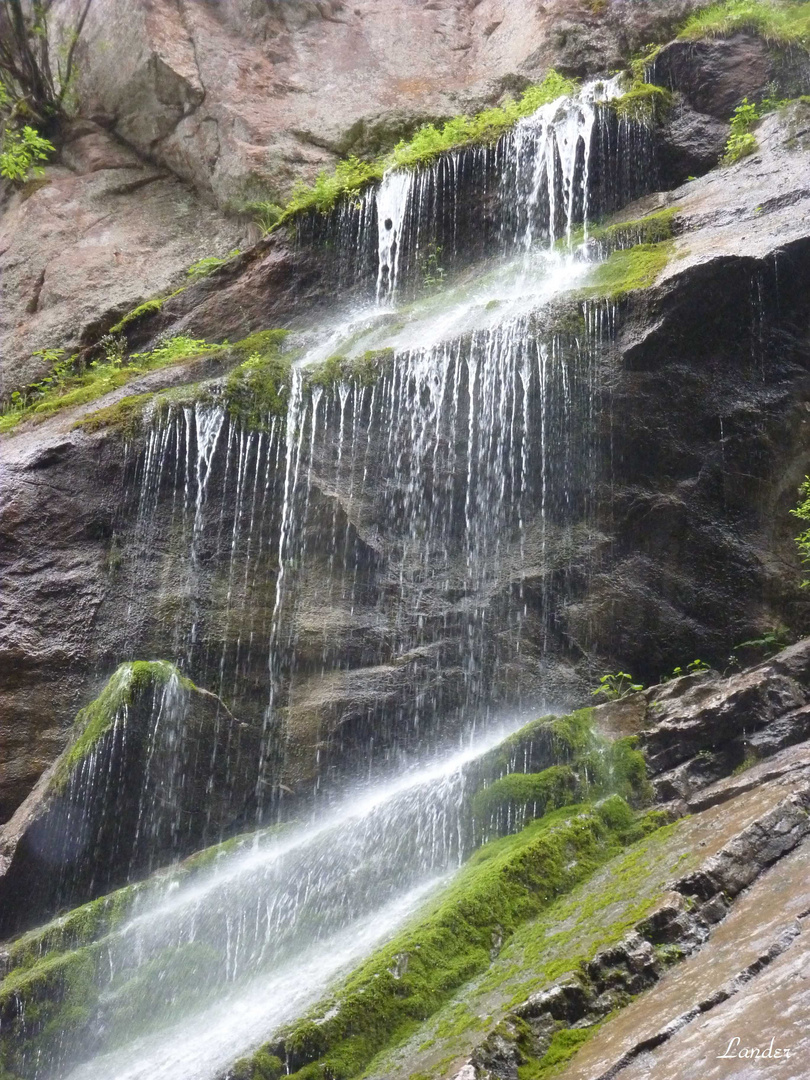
<point x="124" y="537"/>
<point x="709" y="443"/>
<point x="690" y="939"/>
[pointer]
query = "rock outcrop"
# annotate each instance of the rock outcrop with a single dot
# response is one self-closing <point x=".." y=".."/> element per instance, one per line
<point x="719" y="942"/>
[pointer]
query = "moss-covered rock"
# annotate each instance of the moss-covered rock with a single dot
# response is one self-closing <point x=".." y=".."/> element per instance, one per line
<point x="258" y="389"/>
<point x="502" y="885"/>
<point x="121" y="692"/>
<point x="628" y="270"/>
<point x="360" y="370"/>
<point x="128" y="794"/>
<point x="643" y="103"/>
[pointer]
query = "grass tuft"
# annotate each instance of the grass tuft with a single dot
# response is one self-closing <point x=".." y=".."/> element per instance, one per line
<point x="778" y="24"/>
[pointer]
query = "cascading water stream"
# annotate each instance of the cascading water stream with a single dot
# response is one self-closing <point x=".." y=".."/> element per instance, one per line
<point x="383" y="551"/>
<point x="259" y="933"/>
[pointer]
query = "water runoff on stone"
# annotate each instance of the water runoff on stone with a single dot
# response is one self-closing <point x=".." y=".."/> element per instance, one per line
<point x="415" y="496"/>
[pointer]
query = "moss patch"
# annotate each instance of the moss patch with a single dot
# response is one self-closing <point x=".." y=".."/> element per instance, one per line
<point x="351" y="176"/>
<point x="148" y="307"/>
<point x="362" y="370"/>
<point x="258" y="389"/>
<point x="78" y="384"/>
<point x="643" y="103"/>
<point x="125" y="415"/>
<point x="628" y="270"/>
<point x="779" y="24"/>
<point x="502" y="885"/>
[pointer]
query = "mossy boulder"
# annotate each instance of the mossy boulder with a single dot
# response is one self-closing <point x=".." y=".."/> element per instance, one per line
<point x="128" y="794"/>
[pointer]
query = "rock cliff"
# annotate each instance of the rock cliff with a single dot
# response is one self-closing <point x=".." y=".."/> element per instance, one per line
<point x="312" y="502"/>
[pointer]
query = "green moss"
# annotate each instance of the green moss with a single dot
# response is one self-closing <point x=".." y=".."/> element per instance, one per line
<point x="39" y="1004"/>
<point x="502" y="885"/>
<point x="628" y="270"/>
<point x="651" y="229"/>
<point x="95" y="720"/>
<point x="529" y="794"/>
<point x="205" y="267"/>
<point x="640" y="63"/>
<point x="778" y="23"/>
<point x="352" y="175"/>
<point x="148" y="307"/>
<point x="125" y="415"/>
<point x="643" y="103"/>
<point x="258" y="389"/>
<point x="79" y="928"/>
<point x="80" y="384"/>
<point x="364" y="370"/>
<point x="564" y="1044"/>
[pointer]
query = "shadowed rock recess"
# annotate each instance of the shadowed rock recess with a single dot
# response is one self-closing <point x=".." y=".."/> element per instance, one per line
<point x="313" y="499"/>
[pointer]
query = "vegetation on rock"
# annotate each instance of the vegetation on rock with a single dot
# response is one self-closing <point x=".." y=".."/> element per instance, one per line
<point x="125" y="415"/>
<point x="502" y="885"/>
<point x="148" y="307"/>
<point x="71" y="382"/>
<point x="628" y="270"/>
<point x="205" y="267"/>
<point x="352" y="175"/>
<point x="777" y="23"/>
<point x="258" y="389"/>
<point x="95" y="720"/>
<point x="363" y="370"/>
<point x="802" y="512"/>
<point x="644" y="103"/>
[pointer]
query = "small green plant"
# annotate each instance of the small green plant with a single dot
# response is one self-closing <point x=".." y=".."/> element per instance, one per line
<point x="773" y="642"/>
<point x="432" y="271"/>
<point x="747" y="763"/>
<point x="22" y="152"/>
<point x="616" y="686"/>
<point x="265" y="213"/>
<point x="802" y="512"/>
<point x="203" y="267"/>
<point x="693" y="668"/>
<point x="742" y="141"/>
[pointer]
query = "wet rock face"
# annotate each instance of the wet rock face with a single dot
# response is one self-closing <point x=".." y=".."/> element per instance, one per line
<point x="714" y="76"/>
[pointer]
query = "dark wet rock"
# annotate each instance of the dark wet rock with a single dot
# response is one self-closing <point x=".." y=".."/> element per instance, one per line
<point x="714" y="76"/>
<point x="702" y="726"/>
<point x="689" y="143"/>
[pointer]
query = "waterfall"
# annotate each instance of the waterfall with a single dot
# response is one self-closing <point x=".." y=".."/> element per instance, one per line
<point x="257" y="935"/>
<point x="367" y="582"/>
<point x="573" y="159"/>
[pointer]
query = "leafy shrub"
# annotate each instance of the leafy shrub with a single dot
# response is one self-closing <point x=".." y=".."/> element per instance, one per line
<point x="802" y="512"/>
<point x="21" y="153"/>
